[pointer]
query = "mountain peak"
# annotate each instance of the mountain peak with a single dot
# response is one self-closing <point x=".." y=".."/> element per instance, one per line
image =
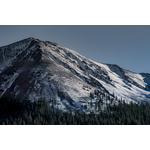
<point x="32" y="39"/>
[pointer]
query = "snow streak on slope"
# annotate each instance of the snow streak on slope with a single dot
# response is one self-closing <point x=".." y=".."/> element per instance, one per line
<point x="106" y="77"/>
<point x="32" y="68"/>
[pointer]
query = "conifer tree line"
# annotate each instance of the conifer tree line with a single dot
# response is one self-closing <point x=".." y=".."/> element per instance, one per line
<point x="39" y="112"/>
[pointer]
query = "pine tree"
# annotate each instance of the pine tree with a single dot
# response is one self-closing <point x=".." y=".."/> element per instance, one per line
<point x="91" y="96"/>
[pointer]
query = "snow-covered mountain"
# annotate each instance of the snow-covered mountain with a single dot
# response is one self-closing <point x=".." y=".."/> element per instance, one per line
<point x="32" y="69"/>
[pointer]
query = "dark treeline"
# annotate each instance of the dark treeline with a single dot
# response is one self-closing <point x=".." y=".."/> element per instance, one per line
<point x="40" y="113"/>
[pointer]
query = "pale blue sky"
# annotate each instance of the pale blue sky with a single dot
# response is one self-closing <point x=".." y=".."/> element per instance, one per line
<point x="126" y="46"/>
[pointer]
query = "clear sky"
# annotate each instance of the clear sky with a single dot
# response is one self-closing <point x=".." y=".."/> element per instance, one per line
<point x="126" y="46"/>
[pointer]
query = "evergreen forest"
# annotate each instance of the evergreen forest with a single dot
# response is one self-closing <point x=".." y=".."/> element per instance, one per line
<point x="40" y="112"/>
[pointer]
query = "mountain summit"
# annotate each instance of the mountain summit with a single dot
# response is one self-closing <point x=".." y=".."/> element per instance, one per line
<point x="32" y="69"/>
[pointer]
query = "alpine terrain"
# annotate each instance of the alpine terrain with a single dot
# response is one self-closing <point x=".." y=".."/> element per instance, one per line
<point x="31" y="69"/>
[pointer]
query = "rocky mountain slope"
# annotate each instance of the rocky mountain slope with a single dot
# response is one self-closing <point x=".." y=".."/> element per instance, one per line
<point x="32" y="69"/>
